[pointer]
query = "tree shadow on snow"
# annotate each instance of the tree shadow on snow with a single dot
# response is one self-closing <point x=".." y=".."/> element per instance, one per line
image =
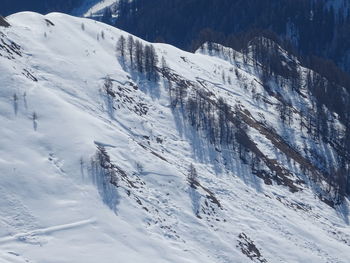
<point x="222" y="158"/>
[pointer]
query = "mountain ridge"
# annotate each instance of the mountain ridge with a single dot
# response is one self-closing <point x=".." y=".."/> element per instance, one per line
<point x="312" y="28"/>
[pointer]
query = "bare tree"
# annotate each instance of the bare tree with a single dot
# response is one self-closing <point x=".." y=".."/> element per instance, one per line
<point x="164" y="66"/>
<point x="192" y="176"/>
<point x="15" y="103"/>
<point x="147" y="61"/>
<point x="139" y="55"/>
<point x="153" y="62"/>
<point x="110" y="95"/>
<point x="35" y="123"/>
<point x="130" y="47"/>
<point x="25" y="100"/>
<point x="108" y="85"/>
<point x="121" y="46"/>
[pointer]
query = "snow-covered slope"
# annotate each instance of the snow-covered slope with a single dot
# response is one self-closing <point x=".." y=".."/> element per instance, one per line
<point x="94" y="8"/>
<point x="96" y="174"/>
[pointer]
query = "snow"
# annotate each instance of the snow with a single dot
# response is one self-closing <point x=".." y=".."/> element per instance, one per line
<point x="52" y="209"/>
<point x="93" y="8"/>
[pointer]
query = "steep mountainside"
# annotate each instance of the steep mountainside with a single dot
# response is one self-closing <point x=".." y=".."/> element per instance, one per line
<point x="113" y="149"/>
<point x="97" y="9"/>
<point x="313" y="27"/>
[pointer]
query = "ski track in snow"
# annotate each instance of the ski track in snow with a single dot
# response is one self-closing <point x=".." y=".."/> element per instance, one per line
<point x="45" y="231"/>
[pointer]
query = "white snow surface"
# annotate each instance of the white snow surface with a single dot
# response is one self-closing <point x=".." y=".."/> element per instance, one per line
<point x="93" y="8"/>
<point x="51" y="210"/>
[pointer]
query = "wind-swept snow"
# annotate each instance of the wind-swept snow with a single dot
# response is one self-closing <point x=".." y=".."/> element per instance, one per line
<point x="59" y="125"/>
